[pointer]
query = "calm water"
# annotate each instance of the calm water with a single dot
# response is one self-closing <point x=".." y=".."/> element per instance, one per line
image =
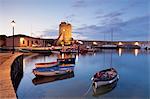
<point x="132" y="66"/>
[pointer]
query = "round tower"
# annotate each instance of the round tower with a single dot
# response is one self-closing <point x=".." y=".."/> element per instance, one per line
<point x="65" y="33"/>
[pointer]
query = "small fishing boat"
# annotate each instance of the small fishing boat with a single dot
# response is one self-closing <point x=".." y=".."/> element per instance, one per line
<point x="69" y="51"/>
<point x="66" y="65"/>
<point x="55" y="52"/>
<point x="83" y="51"/>
<point x="104" y="89"/>
<point x="42" y="80"/>
<point x="105" y="77"/>
<point x="107" y="46"/>
<point x="50" y="64"/>
<point x="53" y="71"/>
<point x="66" y="60"/>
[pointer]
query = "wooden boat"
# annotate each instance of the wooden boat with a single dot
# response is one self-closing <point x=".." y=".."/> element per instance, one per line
<point x="53" y="71"/>
<point x="69" y="51"/>
<point x="104" y="89"/>
<point x="66" y="65"/>
<point x="42" y="80"/>
<point x="50" y="64"/>
<point x="66" y="60"/>
<point x="105" y="77"/>
<point x="83" y="51"/>
<point x="107" y="47"/>
<point x="55" y="52"/>
<point x="91" y="50"/>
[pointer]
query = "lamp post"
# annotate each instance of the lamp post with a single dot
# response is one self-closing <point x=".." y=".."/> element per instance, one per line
<point x="13" y="25"/>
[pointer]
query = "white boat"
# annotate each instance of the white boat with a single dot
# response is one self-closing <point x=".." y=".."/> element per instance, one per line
<point x="50" y="64"/>
<point x="105" y="77"/>
<point x="53" y="71"/>
<point x="55" y="52"/>
<point x="104" y="89"/>
<point x="109" y="46"/>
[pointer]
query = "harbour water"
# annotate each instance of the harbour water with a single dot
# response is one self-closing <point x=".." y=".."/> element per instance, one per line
<point x="132" y="65"/>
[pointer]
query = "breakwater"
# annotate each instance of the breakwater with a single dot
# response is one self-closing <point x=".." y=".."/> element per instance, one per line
<point x="10" y="70"/>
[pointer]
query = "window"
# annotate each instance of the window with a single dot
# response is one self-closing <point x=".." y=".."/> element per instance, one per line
<point x="28" y="43"/>
<point x="23" y="42"/>
<point x="36" y="42"/>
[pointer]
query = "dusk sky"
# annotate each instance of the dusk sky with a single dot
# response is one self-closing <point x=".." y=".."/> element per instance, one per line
<point x="90" y="19"/>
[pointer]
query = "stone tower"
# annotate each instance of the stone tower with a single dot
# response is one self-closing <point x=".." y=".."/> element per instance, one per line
<point x="65" y="34"/>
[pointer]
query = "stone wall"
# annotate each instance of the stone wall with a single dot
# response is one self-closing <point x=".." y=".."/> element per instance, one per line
<point x="12" y="63"/>
<point x="17" y="72"/>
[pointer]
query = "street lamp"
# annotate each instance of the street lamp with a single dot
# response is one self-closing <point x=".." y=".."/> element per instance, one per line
<point x="13" y="25"/>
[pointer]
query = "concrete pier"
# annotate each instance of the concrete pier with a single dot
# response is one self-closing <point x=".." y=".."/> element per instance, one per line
<point x="7" y="90"/>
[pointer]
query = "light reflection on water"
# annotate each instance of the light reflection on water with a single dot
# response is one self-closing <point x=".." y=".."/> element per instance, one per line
<point x="132" y="66"/>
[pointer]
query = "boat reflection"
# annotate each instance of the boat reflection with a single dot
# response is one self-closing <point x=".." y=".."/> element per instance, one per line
<point x="66" y="58"/>
<point x="42" y="80"/>
<point x="103" y="89"/>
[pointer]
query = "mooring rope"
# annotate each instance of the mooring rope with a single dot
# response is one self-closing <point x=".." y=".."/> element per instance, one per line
<point x="88" y="90"/>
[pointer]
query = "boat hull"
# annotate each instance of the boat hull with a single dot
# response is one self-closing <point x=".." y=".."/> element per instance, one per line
<point x="104" y="89"/>
<point x="103" y="83"/>
<point x="105" y="77"/>
<point x="54" y="71"/>
<point x="51" y="64"/>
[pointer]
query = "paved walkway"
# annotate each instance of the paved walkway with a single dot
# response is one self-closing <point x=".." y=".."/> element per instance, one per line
<point x="6" y="88"/>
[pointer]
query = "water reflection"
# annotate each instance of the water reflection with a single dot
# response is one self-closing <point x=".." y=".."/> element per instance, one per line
<point x="77" y="57"/>
<point x="62" y="55"/>
<point x="65" y="56"/>
<point x="128" y="66"/>
<point x="120" y="51"/>
<point x="136" y="52"/>
<point x="42" y="80"/>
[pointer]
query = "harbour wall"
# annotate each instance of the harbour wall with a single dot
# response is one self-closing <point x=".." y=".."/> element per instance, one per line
<point x="11" y="71"/>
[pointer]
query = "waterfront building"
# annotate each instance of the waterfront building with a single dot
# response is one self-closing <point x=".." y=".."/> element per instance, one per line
<point x="2" y="40"/>
<point x="25" y="41"/>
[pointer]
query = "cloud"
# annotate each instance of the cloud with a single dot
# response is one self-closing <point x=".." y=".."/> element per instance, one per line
<point x="120" y="11"/>
<point x="79" y="36"/>
<point x="79" y="4"/>
<point x="49" y="33"/>
<point x="70" y="17"/>
<point x="134" y="29"/>
<point x="53" y="34"/>
<point x="109" y="18"/>
<point x="110" y="15"/>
